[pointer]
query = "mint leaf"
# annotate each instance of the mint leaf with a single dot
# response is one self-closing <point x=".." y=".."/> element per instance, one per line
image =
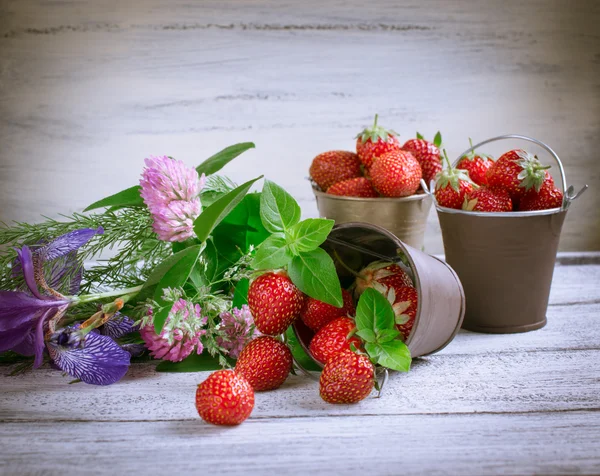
<point x="313" y="272"/>
<point x="240" y="294"/>
<point x="394" y="355"/>
<point x="278" y="209"/>
<point x="367" y="335"/>
<point x="308" y="234"/>
<point x="273" y="253"/>
<point x="215" y="213"/>
<point x="387" y="335"/>
<point x="222" y="158"/>
<point x="129" y="197"/>
<point x="374" y="351"/>
<point x="298" y="351"/>
<point x="193" y="363"/>
<point x="374" y="312"/>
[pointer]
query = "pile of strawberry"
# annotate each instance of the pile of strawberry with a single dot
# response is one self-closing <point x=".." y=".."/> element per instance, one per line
<point x="517" y="181"/>
<point x="380" y="166"/>
<point x="349" y="341"/>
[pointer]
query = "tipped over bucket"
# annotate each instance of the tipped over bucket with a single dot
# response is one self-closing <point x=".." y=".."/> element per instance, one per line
<point x="405" y="217"/>
<point x="505" y="260"/>
<point x="441" y="303"/>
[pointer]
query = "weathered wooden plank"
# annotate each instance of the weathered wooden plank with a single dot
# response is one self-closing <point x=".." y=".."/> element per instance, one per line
<point x="497" y="383"/>
<point x="93" y="89"/>
<point x="575" y="284"/>
<point x="556" y="443"/>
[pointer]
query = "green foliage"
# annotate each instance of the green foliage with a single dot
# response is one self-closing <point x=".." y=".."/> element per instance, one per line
<point x="194" y="363"/>
<point x="129" y="197"/>
<point x="278" y="209"/>
<point x="314" y="274"/>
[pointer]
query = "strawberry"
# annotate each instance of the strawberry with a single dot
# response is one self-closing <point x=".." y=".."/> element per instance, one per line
<point x="333" y="338"/>
<point x="265" y="363"/>
<point x="396" y="174"/>
<point x="380" y="275"/>
<point x="224" y="398"/>
<point x="477" y="165"/>
<point x="375" y="141"/>
<point x="317" y="314"/>
<point x="549" y="196"/>
<point x="517" y="171"/>
<point x="347" y="378"/>
<point x="427" y="154"/>
<point x="405" y="301"/>
<point x="334" y="166"/>
<point x="274" y="302"/>
<point x="488" y="199"/>
<point x="452" y="185"/>
<point x="355" y="187"/>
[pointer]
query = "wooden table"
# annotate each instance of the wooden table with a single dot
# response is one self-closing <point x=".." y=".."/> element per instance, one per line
<point x="487" y="404"/>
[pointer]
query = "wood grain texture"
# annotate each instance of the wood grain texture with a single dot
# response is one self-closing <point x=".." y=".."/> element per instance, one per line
<point x="88" y="89"/>
<point x="463" y="444"/>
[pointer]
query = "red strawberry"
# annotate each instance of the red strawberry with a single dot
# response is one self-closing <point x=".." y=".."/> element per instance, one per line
<point x="355" y="187"/>
<point x="317" y="314"/>
<point x="488" y="199"/>
<point x="452" y="185"/>
<point x="405" y="301"/>
<point x="347" y="378"/>
<point x="274" y="302"/>
<point x="334" y="166"/>
<point x="333" y="338"/>
<point x="427" y="154"/>
<point x="265" y="363"/>
<point x="517" y="171"/>
<point x="375" y="141"/>
<point x="396" y="174"/>
<point x="224" y="398"/>
<point x="477" y="165"/>
<point x="380" y="275"/>
<point x="549" y="196"/>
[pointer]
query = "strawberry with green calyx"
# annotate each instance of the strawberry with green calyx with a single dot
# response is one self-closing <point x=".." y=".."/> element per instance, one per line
<point x="355" y="187"/>
<point x="316" y="314"/>
<point x="334" y="166"/>
<point x="347" y="377"/>
<point x="396" y="174"/>
<point x="375" y="141"/>
<point x="427" y="154"/>
<point x="405" y="301"/>
<point x="381" y="275"/>
<point x="549" y="196"/>
<point x="275" y="302"/>
<point x="224" y="398"/>
<point x="477" y="164"/>
<point x="517" y="171"/>
<point x="336" y="336"/>
<point x="488" y="199"/>
<point x="265" y="363"/>
<point x="452" y="185"/>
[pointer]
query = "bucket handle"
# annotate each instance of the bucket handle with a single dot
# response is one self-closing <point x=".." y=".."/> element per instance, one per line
<point x="568" y="193"/>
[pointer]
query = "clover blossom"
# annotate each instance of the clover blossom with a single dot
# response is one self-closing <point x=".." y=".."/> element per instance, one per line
<point x="180" y="334"/>
<point x="238" y="329"/>
<point x="171" y="191"/>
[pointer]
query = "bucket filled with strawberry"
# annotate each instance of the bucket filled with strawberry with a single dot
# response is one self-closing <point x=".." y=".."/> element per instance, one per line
<point x="501" y="222"/>
<point x="380" y="183"/>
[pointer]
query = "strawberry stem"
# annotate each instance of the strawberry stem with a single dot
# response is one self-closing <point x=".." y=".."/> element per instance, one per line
<point x="375" y="122"/>
<point x="447" y="160"/>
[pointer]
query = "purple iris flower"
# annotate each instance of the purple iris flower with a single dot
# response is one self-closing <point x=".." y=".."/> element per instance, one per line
<point x="26" y="316"/>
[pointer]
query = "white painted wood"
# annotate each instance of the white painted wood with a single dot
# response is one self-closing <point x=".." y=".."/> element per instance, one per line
<point x="88" y="89"/>
<point x="556" y="443"/>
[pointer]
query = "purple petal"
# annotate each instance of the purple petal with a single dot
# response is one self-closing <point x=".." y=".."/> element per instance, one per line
<point x="98" y="361"/>
<point x="17" y="308"/>
<point x="26" y="260"/>
<point x="117" y="326"/>
<point x="65" y="274"/>
<point x="27" y="345"/>
<point x="38" y="344"/>
<point x="13" y="339"/>
<point x="69" y="242"/>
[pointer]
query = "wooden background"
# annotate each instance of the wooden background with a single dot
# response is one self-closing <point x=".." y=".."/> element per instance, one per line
<point x="89" y="88"/>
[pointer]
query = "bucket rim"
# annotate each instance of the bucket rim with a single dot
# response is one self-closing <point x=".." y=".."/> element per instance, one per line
<point x="533" y="213"/>
<point x="410" y="198"/>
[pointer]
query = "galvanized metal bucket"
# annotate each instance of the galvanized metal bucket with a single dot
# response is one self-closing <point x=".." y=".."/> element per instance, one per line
<point x="405" y="217"/>
<point x="505" y="261"/>
<point x="441" y="305"/>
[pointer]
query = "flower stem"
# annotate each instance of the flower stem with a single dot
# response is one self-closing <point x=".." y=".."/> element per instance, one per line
<point x="116" y="292"/>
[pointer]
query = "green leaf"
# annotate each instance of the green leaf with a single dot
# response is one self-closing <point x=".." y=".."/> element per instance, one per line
<point x="419" y="135"/>
<point x="374" y="351"/>
<point x="193" y="363"/>
<point x="273" y="253"/>
<point x="395" y="355"/>
<point x="214" y="214"/>
<point x="308" y="234"/>
<point x="313" y="272"/>
<point x="299" y="353"/>
<point x="221" y="159"/>
<point x="160" y="316"/>
<point x="387" y="335"/>
<point x="437" y="140"/>
<point x="374" y="312"/>
<point x="367" y="335"/>
<point x="278" y="209"/>
<point x="240" y="294"/>
<point x="126" y="198"/>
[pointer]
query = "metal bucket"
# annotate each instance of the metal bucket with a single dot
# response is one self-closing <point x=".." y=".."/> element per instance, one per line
<point x="405" y="217"/>
<point x="441" y="304"/>
<point x="505" y="261"/>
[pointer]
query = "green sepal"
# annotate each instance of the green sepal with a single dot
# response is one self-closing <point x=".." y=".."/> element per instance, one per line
<point x="533" y="173"/>
<point x="375" y="133"/>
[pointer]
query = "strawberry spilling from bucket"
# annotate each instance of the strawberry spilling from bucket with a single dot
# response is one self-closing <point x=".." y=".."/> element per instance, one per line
<point x="427" y="154"/>
<point x="452" y="185"/>
<point x="224" y="398"/>
<point x="333" y="338"/>
<point x="317" y="314"/>
<point x="477" y="165"/>
<point x="347" y="378"/>
<point x="265" y="363"/>
<point x="381" y="275"/>
<point x="374" y="141"/>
